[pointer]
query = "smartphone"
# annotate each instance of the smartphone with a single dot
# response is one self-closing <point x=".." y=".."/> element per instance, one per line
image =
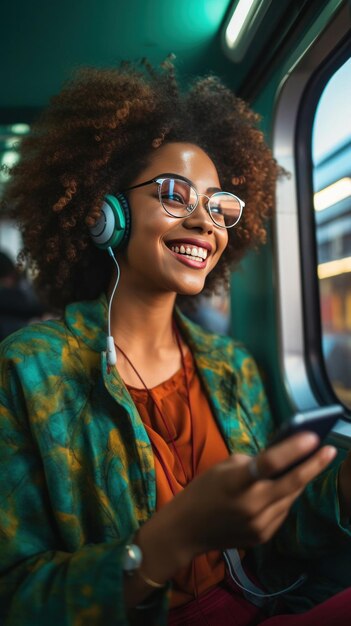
<point x="319" y="421"/>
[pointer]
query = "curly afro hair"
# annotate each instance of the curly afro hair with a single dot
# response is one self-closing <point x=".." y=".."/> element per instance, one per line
<point x="96" y="136"/>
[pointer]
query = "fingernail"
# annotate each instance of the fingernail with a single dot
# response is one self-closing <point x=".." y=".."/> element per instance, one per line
<point x="330" y="452"/>
<point x="311" y="438"/>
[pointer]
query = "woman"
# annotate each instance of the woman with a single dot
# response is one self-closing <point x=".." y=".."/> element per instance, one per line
<point x="123" y="482"/>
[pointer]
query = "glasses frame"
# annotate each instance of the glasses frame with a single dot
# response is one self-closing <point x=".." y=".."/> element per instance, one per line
<point x="159" y="180"/>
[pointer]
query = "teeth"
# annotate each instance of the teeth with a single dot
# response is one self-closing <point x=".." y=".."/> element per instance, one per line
<point x="199" y="254"/>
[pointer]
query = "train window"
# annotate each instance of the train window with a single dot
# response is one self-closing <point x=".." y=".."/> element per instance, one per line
<point x="311" y="243"/>
<point x="331" y="175"/>
<point x="10" y="138"/>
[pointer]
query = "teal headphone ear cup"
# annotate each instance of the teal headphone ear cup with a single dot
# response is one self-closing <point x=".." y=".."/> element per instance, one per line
<point x="113" y="226"/>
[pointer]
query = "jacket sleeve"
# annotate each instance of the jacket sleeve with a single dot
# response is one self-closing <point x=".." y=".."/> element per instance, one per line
<point x="313" y="528"/>
<point x="42" y="583"/>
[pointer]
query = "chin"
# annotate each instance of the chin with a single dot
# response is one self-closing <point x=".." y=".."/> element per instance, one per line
<point x="190" y="290"/>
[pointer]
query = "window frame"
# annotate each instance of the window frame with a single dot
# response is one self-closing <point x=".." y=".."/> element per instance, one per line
<point x="302" y="363"/>
<point x="319" y="377"/>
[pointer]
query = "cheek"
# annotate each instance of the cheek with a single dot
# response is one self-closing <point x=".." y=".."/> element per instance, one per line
<point x="146" y="235"/>
<point x="225" y="239"/>
<point x="222" y="241"/>
<point x="153" y="222"/>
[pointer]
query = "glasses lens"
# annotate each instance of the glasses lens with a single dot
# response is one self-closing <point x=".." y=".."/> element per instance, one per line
<point x="225" y="209"/>
<point x="178" y="197"/>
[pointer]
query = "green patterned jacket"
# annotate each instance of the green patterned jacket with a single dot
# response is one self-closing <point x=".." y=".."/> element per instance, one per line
<point x="77" y="474"/>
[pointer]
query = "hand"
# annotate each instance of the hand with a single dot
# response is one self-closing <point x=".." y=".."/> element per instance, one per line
<point x="227" y="507"/>
<point x="344" y="490"/>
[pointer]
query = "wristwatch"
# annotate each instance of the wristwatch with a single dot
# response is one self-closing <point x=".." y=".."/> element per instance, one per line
<point x="132" y="561"/>
<point x="132" y="558"/>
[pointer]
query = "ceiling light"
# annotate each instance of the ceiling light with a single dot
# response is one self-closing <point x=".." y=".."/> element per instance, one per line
<point x="243" y="24"/>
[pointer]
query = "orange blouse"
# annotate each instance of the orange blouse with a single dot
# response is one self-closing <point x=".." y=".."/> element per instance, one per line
<point x="207" y="570"/>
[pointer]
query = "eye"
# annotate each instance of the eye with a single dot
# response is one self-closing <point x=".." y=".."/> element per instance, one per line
<point x="216" y="207"/>
<point x="173" y="197"/>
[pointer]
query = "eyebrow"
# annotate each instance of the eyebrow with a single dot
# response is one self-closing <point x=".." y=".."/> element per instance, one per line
<point x="174" y="175"/>
<point x="186" y="180"/>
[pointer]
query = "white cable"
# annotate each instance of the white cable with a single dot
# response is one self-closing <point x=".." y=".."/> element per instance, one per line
<point x="237" y="573"/>
<point x="111" y="355"/>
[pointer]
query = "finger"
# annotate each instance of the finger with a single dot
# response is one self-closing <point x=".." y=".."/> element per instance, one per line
<point x="270" y="528"/>
<point x="265" y="492"/>
<point x="294" y="482"/>
<point x="307" y="470"/>
<point x="280" y="456"/>
<point x="236" y="472"/>
<point x="264" y="495"/>
<point x="266" y="523"/>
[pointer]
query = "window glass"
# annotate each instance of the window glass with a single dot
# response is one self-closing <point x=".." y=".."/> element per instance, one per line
<point x="331" y="154"/>
<point x="10" y="139"/>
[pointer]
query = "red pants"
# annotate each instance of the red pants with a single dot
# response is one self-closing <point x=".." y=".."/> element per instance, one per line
<point x="224" y="606"/>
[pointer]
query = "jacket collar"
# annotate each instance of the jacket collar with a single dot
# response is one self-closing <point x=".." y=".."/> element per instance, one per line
<point x="213" y="354"/>
<point x="88" y="322"/>
<point x="215" y="357"/>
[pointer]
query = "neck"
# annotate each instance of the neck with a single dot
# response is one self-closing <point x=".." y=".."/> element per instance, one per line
<point x="141" y="321"/>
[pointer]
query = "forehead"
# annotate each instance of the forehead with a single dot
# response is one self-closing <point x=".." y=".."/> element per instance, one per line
<point x="185" y="159"/>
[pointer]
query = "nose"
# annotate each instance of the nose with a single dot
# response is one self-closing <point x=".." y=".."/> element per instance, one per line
<point x="200" y="218"/>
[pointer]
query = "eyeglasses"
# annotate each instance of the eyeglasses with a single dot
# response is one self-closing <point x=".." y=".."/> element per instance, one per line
<point x="180" y="199"/>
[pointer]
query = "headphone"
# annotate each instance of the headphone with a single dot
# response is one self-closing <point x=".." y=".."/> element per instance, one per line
<point x="112" y="229"/>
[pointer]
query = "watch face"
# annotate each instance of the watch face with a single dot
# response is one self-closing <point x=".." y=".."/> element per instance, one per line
<point x="132" y="557"/>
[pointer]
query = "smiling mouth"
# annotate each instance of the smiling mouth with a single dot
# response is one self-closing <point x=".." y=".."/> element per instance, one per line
<point x="195" y="253"/>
